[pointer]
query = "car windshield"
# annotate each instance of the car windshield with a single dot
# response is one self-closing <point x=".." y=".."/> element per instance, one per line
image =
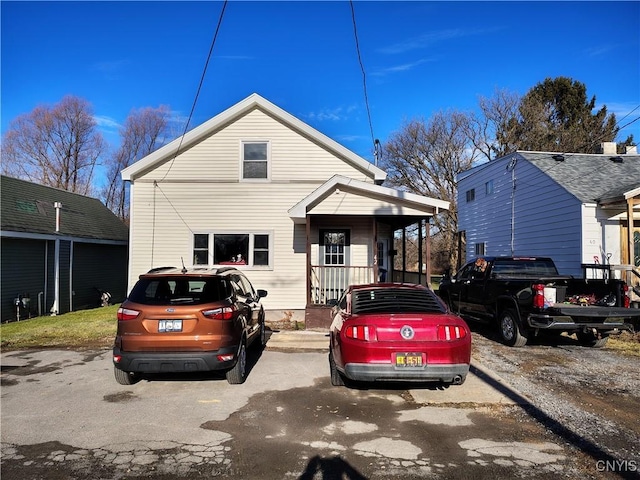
<point x="387" y="300"/>
<point x="179" y="290"/>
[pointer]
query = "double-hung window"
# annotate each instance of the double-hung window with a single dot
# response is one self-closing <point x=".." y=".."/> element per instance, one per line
<point x="255" y="160"/>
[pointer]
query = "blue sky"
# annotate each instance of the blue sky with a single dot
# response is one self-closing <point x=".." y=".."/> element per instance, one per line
<point x="418" y="58"/>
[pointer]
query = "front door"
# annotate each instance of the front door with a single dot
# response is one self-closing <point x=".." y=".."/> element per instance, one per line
<point x="335" y="247"/>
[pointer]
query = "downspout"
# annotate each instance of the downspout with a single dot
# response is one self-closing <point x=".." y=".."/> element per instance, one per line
<point x="56" y="264"/>
<point x="71" y="276"/>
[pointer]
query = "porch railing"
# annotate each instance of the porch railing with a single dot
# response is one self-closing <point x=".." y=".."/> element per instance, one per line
<point x="329" y="282"/>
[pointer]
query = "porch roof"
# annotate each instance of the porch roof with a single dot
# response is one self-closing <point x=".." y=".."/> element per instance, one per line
<point x="345" y="196"/>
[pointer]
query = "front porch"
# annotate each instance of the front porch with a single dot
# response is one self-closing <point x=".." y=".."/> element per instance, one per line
<point x="349" y="229"/>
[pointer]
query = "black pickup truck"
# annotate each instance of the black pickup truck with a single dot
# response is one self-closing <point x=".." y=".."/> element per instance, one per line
<point x="525" y="295"/>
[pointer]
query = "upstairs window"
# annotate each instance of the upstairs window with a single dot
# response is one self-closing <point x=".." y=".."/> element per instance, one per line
<point x="488" y="187"/>
<point x="471" y="195"/>
<point x="480" y="248"/>
<point x="255" y="160"/>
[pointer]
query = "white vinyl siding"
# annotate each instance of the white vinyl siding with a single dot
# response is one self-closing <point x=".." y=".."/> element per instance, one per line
<point x="293" y="157"/>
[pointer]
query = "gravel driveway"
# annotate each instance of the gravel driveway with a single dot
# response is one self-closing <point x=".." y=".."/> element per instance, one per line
<point x="590" y="397"/>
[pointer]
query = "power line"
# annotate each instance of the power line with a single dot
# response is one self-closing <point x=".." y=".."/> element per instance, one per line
<point x="195" y="100"/>
<point x="364" y="80"/>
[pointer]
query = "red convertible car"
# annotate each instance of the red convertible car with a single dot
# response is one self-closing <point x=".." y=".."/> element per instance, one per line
<point x="397" y="332"/>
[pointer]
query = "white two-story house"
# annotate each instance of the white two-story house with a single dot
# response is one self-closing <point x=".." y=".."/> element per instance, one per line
<point x="257" y="188"/>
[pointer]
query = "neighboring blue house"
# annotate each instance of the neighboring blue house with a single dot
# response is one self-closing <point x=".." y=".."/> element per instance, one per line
<point x="58" y="250"/>
<point x="575" y="208"/>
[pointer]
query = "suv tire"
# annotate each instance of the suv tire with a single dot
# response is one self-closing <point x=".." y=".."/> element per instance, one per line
<point x="124" y="378"/>
<point x="238" y="373"/>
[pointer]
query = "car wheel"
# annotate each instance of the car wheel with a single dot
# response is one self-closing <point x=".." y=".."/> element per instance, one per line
<point x="589" y="339"/>
<point x="337" y="380"/>
<point x="509" y="329"/>
<point x="237" y="374"/>
<point x="124" y="378"/>
<point x="262" y="335"/>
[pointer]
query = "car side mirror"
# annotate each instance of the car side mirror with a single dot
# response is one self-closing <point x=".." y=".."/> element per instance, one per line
<point x="261" y="293"/>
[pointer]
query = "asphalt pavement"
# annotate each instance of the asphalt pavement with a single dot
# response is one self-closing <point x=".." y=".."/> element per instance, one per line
<point x="482" y="385"/>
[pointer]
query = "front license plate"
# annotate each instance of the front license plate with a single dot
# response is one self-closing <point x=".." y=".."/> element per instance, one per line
<point x="408" y="359"/>
<point x="169" y="326"/>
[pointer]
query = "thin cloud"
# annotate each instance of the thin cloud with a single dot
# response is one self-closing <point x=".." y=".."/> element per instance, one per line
<point x="405" y="67"/>
<point x="111" y="67"/>
<point x="332" y="115"/>
<point x="106" y="123"/>
<point x="424" y="41"/>
<point x="599" y="51"/>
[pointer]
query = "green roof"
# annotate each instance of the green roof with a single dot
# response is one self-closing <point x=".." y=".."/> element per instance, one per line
<point x="28" y="207"/>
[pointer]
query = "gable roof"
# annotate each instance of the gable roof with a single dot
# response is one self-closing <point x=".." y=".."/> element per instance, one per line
<point x="430" y="206"/>
<point x="227" y="117"/>
<point x="28" y="208"/>
<point x="591" y="178"/>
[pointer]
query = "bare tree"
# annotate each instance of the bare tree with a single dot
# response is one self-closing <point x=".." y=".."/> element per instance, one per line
<point x="57" y="146"/>
<point x="492" y="131"/>
<point x="143" y="132"/>
<point x="425" y="158"/>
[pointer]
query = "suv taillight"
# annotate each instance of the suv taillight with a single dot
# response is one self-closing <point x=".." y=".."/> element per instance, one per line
<point x="127" y="314"/>
<point x="451" y="332"/>
<point x="361" y="332"/>
<point x="223" y="313"/>
<point x="538" y="295"/>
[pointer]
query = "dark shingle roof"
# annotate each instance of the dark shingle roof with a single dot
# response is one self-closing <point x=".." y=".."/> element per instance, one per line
<point x="28" y="207"/>
<point x="589" y="177"/>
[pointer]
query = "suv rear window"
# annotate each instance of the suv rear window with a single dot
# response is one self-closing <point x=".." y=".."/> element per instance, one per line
<point x="179" y="290"/>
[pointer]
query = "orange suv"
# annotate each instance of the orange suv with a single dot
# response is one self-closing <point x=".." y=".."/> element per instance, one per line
<point x="188" y="320"/>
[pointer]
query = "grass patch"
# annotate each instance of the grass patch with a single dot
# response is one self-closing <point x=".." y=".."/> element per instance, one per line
<point x="626" y="343"/>
<point x="94" y="328"/>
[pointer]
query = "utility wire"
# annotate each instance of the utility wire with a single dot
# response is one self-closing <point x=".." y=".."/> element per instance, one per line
<point x="364" y="77"/>
<point x="195" y="100"/>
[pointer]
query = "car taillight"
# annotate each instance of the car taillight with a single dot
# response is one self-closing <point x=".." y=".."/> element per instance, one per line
<point x="222" y="313"/>
<point x="538" y="295"/>
<point x="127" y="314"/>
<point x="366" y="333"/>
<point x="451" y="332"/>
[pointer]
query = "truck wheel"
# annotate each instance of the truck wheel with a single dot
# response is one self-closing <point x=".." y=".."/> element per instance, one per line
<point x="589" y="339"/>
<point x="509" y="329"/>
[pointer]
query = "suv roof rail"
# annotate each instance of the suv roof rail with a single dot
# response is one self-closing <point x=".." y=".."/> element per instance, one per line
<point x="159" y="269"/>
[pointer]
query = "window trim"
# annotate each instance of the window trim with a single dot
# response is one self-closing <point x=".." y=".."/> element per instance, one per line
<point x="267" y="161"/>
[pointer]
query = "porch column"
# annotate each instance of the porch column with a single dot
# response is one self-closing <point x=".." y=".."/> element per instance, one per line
<point x="376" y="260"/>
<point x="630" y="202"/>
<point x="428" y="248"/>
<point x="420" y="259"/>
<point x="308" y="248"/>
<point x="404" y="252"/>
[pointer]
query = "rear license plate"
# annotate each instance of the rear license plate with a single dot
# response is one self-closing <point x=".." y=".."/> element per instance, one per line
<point x="408" y="359"/>
<point x="169" y="326"/>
